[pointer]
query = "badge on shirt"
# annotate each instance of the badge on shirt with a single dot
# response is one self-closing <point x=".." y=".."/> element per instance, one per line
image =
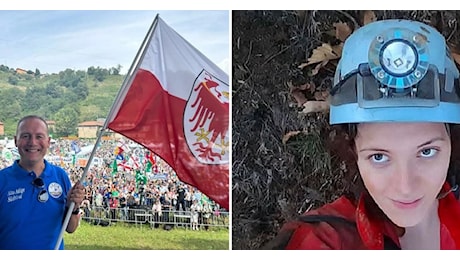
<point x="55" y="190"/>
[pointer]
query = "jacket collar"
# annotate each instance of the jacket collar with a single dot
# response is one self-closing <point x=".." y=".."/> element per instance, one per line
<point x="373" y="227"/>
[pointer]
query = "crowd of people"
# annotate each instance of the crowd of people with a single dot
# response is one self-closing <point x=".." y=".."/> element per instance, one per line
<point x="117" y="191"/>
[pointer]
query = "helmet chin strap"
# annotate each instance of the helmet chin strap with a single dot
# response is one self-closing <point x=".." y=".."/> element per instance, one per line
<point x="442" y="195"/>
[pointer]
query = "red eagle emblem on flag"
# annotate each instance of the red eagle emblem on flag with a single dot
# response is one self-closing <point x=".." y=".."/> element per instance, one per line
<point x="206" y="120"/>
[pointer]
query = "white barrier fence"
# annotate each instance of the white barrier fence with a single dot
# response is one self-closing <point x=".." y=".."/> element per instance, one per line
<point x="144" y="216"/>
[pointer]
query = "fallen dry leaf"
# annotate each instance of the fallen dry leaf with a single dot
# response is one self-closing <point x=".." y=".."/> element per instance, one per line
<point x="318" y="67"/>
<point x="454" y="52"/>
<point x="342" y="31"/>
<point x="456" y="57"/>
<point x="321" y="95"/>
<point x="312" y="87"/>
<point x="369" y="17"/>
<point x="337" y="49"/>
<point x="298" y="92"/>
<point x="305" y="86"/>
<point x="299" y="97"/>
<point x="315" y="106"/>
<point x="303" y="65"/>
<point x="320" y="54"/>
<point x="289" y="135"/>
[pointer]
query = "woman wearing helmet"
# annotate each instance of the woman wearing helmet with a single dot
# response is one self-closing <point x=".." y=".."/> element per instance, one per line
<point x="396" y="94"/>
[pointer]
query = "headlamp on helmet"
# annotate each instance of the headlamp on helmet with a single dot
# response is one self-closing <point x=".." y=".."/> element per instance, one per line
<point x="395" y="71"/>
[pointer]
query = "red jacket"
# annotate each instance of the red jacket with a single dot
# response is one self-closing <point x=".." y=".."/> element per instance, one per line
<point x="363" y="230"/>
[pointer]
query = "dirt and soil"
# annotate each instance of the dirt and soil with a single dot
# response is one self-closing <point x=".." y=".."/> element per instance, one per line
<point x="280" y="167"/>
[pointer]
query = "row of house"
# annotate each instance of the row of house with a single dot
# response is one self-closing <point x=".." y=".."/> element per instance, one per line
<point x="88" y="129"/>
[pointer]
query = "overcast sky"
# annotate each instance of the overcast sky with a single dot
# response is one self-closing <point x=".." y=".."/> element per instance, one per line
<point x="53" y="41"/>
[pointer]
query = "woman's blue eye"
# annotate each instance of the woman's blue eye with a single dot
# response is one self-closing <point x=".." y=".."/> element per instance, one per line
<point x="379" y="158"/>
<point x="429" y="152"/>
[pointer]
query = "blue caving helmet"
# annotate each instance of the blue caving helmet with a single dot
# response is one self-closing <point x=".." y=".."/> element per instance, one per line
<point x="395" y="71"/>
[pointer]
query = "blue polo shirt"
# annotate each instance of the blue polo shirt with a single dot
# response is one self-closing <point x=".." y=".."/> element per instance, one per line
<point x="25" y="222"/>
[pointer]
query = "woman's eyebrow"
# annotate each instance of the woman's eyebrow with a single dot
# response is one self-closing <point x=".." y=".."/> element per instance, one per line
<point x="419" y="146"/>
<point x="432" y="141"/>
<point x="373" y="150"/>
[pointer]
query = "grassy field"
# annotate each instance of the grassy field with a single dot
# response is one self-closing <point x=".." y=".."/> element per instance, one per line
<point x="129" y="237"/>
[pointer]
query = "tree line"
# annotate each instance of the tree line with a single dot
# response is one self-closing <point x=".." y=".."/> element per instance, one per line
<point x="68" y="97"/>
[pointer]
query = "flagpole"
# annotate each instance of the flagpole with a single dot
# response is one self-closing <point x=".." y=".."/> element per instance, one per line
<point x="115" y="107"/>
<point x="129" y="76"/>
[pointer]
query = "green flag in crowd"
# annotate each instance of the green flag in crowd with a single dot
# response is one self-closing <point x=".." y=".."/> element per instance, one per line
<point x="115" y="194"/>
<point x="205" y="198"/>
<point x="114" y="167"/>
<point x="7" y="154"/>
<point x="148" y="167"/>
<point x="140" y="177"/>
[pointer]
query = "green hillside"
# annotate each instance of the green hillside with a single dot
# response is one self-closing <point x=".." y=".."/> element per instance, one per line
<point x="68" y="97"/>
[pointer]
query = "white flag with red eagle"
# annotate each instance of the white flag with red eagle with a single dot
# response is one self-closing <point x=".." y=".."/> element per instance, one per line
<point x="177" y="106"/>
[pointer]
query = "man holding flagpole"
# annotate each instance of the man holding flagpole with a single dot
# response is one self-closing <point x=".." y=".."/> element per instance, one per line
<point x="34" y="194"/>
